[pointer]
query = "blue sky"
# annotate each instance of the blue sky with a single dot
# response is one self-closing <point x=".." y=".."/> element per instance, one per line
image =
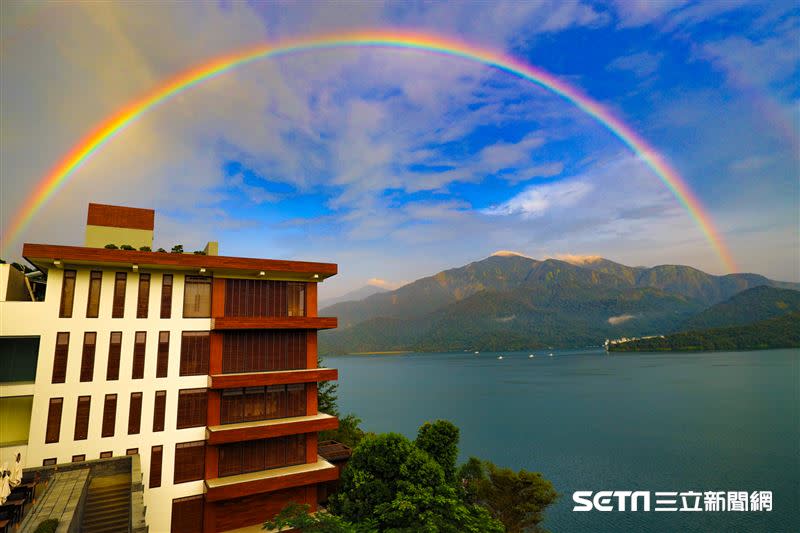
<point x="397" y="164"/>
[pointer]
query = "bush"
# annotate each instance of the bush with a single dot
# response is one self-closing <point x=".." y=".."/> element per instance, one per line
<point x="48" y="526"/>
<point x="145" y="249"/>
<point x="111" y="246"/>
<point x="126" y="247"/>
<point x="177" y="249"/>
<point x="199" y="252"/>
<point x="163" y="251"/>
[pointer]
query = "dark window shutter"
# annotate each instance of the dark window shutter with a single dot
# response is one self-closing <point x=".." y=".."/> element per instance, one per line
<point x="120" y="284"/>
<point x="93" y="302"/>
<point x="296" y="400"/>
<point x="143" y="300"/>
<point x="67" y="294"/>
<point x="54" y="420"/>
<point x="247" y="297"/>
<point x="162" y="360"/>
<point x="139" y="346"/>
<point x="60" y="358"/>
<point x="187" y="515"/>
<point x="166" y="296"/>
<point x="87" y="358"/>
<point x="114" y="352"/>
<point x="192" y="408"/>
<point x="190" y="461"/>
<point x="109" y="415"/>
<point x="156" y="456"/>
<point x="159" y="410"/>
<point x="195" y="353"/>
<point x="82" y="417"/>
<point x="263" y="351"/>
<point x="135" y="414"/>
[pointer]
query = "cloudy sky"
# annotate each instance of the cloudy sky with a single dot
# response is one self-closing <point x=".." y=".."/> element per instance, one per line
<point x="396" y="163"/>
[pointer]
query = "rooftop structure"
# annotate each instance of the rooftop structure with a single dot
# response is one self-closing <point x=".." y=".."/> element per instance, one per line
<point x="205" y="366"/>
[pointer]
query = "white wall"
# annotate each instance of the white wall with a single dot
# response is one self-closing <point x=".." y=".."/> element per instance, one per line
<point x="41" y="318"/>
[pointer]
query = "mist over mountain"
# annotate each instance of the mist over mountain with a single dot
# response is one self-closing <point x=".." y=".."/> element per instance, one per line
<point x="509" y="301"/>
<point x="354" y="295"/>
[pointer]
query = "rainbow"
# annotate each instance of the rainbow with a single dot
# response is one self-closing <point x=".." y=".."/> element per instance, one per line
<point x="447" y="46"/>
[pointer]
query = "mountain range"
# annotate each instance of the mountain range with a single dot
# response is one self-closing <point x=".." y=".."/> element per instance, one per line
<point x="509" y="301"/>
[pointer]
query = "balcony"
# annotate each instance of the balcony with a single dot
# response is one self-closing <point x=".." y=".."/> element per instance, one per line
<point x="223" y="323"/>
<point x="265" y="429"/>
<point x="225" y="488"/>
<point x="276" y="377"/>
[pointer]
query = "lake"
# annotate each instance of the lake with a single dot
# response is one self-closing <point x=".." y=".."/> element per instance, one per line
<point x="591" y="421"/>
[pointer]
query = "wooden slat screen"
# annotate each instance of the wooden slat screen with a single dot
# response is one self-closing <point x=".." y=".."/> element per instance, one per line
<point x="262" y="403"/>
<point x="106" y="455"/>
<point x="87" y="358"/>
<point x="93" y="302"/>
<point x="135" y="414"/>
<point x="195" y="352"/>
<point x="109" y="415"/>
<point x="190" y="461"/>
<point x="60" y="357"/>
<point x="139" y="346"/>
<point x="264" y="454"/>
<point x="54" y="420"/>
<point x="82" y="417"/>
<point x="166" y="296"/>
<point x="143" y="301"/>
<point x="187" y="515"/>
<point x="67" y="294"/>
<point x="114" y="353"/>
<point x="192" y="408"/>
<point x="263" y="351"/>
<point x="156" y="456"/>
<point x="120" y="284"/>
<point x="162" y="359"/>
<point x="159" y="410"/>
<point x="197" y="297"/>
<point x="250" y="297"/>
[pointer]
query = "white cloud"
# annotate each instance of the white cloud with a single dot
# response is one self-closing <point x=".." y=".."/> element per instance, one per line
<point x="536" y="200"/>
<point x="620" y="319"/>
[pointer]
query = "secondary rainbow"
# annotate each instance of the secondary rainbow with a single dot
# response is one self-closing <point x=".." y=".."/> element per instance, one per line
<point x="105" y="131"/>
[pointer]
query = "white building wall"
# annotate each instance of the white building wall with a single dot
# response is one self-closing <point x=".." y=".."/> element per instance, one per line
<point x="41" y="318"/>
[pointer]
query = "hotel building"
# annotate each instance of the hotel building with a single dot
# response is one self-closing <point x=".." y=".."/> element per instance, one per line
<point x="203" y="365"/>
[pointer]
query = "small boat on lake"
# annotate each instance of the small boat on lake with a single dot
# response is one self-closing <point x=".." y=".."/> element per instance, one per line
<point x="499" y="356"/>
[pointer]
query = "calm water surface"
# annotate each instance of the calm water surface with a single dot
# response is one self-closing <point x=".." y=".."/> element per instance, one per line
<point x="590" y="421"/>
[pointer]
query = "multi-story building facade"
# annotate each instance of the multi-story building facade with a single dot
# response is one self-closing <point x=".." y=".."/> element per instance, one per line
<point x="204" y="365"/>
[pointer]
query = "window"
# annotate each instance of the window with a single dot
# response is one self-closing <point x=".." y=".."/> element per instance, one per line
<point x="132" y="451"/>
<point x="263" y="351"/>
<point x="187" y="514"/>
<point x="78" y="458"/>
<point x="60" y="358"/>
<point x="162" y="359"/>
<point x="262" y="403"/>
<point x="138" y="355"/>
<point x="249" y="297"/>
<point x="159" y="410"/>
<point x="135" y="414"/>
<point x="49" y="462"/>
<point x="190" y="461"/>
<point x="156" y="455"/>
<point x="87" y="359"/>
<point x="54" y="420"/>
<point x="144" y="296"/>
<point x="109" y="415"/>
<point x="106" y="455"/>
<point x="114" y="351"/>
<point x="197" y="297"/>
<point x="252" y="456"/>
<point x="192" y="408"/>
<point x="195" y="352"/>
<point x="120" y="284"/>
<point x="67" y="294"/>
<point x="93" y="303"/>
<point x="166" y="296"/>
<point x="82" y="418"/>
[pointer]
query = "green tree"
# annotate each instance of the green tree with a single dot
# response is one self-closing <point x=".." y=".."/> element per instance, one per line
<point x="111" y="246"/>
<point x="517" y="499"/>
<point x="177" y="249"/>
<point x="440" y="440"/>
<point x="297" y="517"/>
<point x="145" y="249"/>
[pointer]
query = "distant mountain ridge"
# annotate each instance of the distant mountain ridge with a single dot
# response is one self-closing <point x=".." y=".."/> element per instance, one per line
<point x="354" y="295"/>
<point x="511" y="301"/>
<point x="751" y="305"/>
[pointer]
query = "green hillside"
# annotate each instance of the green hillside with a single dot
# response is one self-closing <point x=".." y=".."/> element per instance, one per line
<point x="780" y="332"/>
<point x="751" y="305"/>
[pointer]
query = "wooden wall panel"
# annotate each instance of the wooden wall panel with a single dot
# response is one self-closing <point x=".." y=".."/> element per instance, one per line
<point x="312" y="439"/>
<point x="311" y="349"/>
<point x="311" y="299"/>
<point x="311" y="399"/>
<point x="116" y="216"/>
<point x="256" y="509"/>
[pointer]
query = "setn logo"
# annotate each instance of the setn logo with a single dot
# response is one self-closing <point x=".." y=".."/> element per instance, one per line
<point x="607" y="500"/>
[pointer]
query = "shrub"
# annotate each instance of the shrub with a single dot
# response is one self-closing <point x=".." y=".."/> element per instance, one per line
<point x="163" y="251"/>
<point x="177" y="249"/>
<point x="111" y="246"/>
<point x="199" y="252"/>
<point x="48" y="526"/>
<point x="126" y="247"/>
<point x="145" y="249"/>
